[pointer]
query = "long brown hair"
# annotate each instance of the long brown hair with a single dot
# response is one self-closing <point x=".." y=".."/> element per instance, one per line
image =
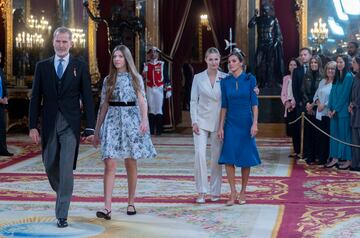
<point x="319" y="63"/>
<point x="130" y="67"/>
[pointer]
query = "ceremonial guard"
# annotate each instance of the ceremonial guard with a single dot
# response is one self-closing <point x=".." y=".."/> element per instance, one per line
<point x="157" y="83"/>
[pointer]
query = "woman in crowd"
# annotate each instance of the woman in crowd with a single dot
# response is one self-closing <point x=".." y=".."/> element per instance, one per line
<point x="122" y="126"/>
<point x="321" y="100"/>
<point x="354" y="110"/>
<point x="205" y="108"/>
<point x="288" y="101"/>
<point x="309" y="86"/>
<point x="238" y="125"/>
<point x="339" y="102"/>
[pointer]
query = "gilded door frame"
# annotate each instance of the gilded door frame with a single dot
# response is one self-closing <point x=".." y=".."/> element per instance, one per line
<point x="6" y="9"/>
<point x="302" y="18"/>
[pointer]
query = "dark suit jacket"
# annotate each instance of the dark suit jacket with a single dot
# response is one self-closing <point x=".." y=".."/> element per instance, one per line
<point x="297" y="81"/>
<point x="3" y="147"/>
<point x="47" y="99"/>
<point x="4" y="83"/>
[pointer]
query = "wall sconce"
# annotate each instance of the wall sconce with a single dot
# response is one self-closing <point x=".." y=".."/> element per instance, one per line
<point x="29" y="41"/>
<point x="79" y="38"/>
<point x="34" y="38"/>
<point x="204" y="21"/>
<point x="38" y="26"/>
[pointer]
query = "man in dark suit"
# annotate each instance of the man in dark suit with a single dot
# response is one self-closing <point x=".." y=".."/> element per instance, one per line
<point x="297" y="81"/>
<point x="3" y="104"/>
<point x="59" y="83"/>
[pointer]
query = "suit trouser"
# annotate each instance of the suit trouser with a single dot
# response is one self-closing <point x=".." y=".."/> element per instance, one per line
<point x="3" y="147"/>
<point x="293" y="130"/>
<point x="201" y="177"/>
<point x="58" y="158"/>
<point x="355" y="162"/>
<point x="323" y="141"/>
<point x="310" y="135"/>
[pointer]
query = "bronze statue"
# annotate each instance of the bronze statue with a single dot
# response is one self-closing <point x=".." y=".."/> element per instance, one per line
<point x="269" y="66"/>
<point x="116" y="25"/>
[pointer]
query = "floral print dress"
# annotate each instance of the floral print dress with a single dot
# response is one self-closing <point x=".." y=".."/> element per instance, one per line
<point x="120" y="132"/>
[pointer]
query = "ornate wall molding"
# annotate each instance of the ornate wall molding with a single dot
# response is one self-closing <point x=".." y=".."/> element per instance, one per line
<point x="6" y="9"/>
<point x="92" y="27"/>
<point x="301" y="7"/>
<point x="152" y="22"/>
<point x="241" y="29"/>
<point x="243" y="16"/>
<point x="2" y="7"/>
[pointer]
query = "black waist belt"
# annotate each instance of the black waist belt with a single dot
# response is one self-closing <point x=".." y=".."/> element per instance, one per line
<point x="122" y="104"/>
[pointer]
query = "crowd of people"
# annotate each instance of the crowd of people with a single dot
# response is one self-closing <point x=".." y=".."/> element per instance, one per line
<point x="223" y="106"/>
<point x="329" y="98"/>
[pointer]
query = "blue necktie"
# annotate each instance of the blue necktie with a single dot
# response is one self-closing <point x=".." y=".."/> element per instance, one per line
<point x="60" y="68"/>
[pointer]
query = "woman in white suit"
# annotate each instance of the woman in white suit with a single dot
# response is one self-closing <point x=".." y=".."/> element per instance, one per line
<point x="205" y="108"/>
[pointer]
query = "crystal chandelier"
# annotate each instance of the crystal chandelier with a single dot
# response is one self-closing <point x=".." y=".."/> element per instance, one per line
<point x="319" y="32"/>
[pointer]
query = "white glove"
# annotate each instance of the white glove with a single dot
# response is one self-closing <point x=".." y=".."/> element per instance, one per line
<point x="168" y="94"/>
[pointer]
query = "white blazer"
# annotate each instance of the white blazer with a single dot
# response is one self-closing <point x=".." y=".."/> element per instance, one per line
<point x="205" y="103"/>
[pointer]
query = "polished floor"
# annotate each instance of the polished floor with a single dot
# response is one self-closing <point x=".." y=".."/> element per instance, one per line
<point x="286" y="198"/>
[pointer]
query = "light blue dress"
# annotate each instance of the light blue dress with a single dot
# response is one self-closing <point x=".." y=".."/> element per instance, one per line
<point x="120" y="134"/>
<point x="239" y="147"/>
<point x="340" y="124"/>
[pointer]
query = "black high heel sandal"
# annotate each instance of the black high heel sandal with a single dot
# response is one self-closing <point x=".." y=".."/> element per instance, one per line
<point x="131" y="212"/>
<point x="105" y="213"/>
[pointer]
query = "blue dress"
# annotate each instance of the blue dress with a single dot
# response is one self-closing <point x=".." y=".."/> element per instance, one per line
<point x="339" y="101"/>
<point x="239" y="147"/>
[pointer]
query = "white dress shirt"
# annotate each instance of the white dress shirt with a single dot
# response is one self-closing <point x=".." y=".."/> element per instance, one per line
<point x="64" y="63"/>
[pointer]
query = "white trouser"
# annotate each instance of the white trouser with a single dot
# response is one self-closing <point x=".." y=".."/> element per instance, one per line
<point x="155" y="99"/>
<point x="201" y="175"/>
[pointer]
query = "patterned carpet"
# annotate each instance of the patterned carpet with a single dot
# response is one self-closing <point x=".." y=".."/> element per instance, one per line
<point x="285" y="199"/>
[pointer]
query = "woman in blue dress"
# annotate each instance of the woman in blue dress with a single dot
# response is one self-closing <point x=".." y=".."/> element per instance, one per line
<point x="339" y="101"/>
<point x="238" y="125"/>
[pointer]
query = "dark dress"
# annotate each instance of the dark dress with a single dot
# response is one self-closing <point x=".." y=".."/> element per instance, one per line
<point x="239" y="147"/>
<point x="355" y="123"/>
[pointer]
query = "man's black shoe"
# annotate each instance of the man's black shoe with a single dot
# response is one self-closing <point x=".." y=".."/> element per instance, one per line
<point x="62" y="222"/>
<point x="6" y="153"/>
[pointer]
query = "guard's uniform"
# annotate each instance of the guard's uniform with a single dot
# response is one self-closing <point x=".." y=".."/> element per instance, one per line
<point x="157" y="82"/>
